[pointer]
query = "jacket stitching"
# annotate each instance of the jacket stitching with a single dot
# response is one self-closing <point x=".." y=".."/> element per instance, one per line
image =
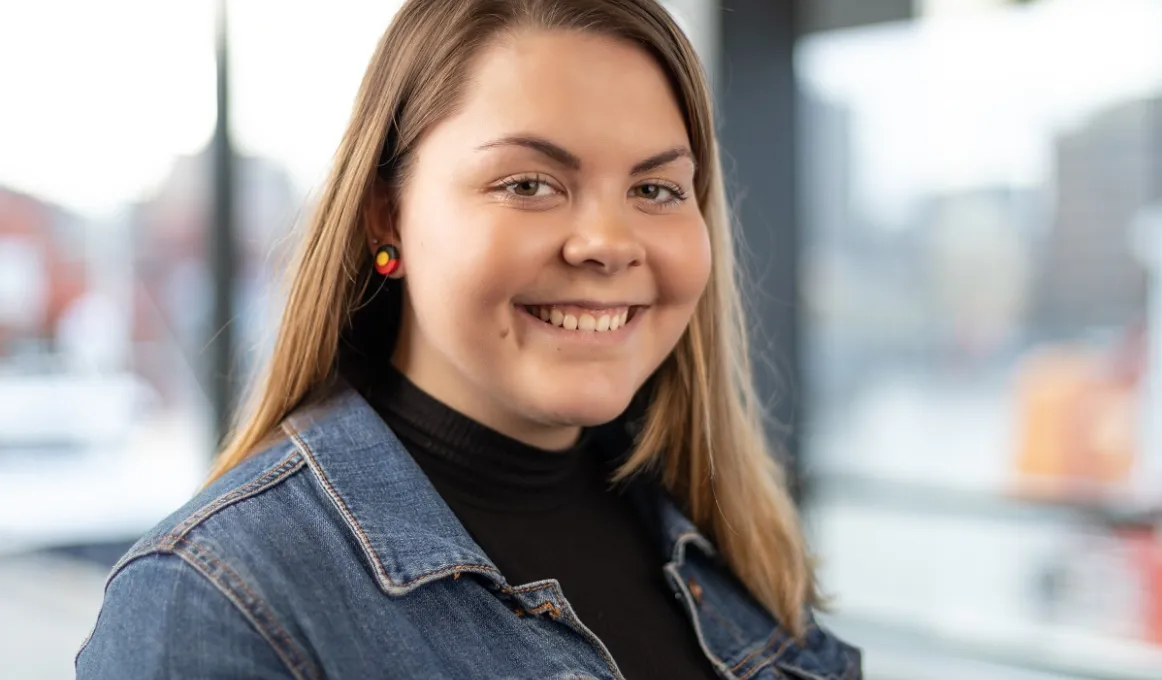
<point x="764" y="662"/>
<point x="254" y="608"/>
<point x="547" y="606"/>
<point x="148" y="549"/>
<point x="695" y="538"/>
<point x="291" y="463"/>
<point x="770" y="642"/>
<point x="593" y="639"/>
<point x="268" y="479"/>
<point x="364" y="541"/>
<point x="762" y="648"/>
<point x="339" y="503"/>
<point x="692" y="612"/>
<point x="457" y="568"/>
<point x="530" y="588"/>
<point x="164" y="543"/>
<point x="727" y="625"/>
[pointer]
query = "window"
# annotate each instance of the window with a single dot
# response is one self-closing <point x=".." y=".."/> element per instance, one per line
<point x="982" y="196"/>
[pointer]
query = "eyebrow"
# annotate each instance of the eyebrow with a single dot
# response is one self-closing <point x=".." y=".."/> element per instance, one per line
<point x="660" y="159"/>
<point x="569" y="160"/>
<point x="538" y="144"/>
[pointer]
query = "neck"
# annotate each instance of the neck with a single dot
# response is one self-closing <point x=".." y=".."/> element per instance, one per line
<point x="475" y="464"/>
<point x="433" y="376"/>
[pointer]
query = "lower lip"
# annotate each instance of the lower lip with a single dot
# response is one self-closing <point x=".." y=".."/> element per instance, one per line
<point x="582" y="337"/>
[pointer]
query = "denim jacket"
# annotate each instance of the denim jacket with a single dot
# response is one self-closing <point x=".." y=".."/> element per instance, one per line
<point x="329" y="554"/>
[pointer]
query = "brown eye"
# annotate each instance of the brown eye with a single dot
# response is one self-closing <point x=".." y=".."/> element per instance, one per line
<point x="658" y="193"/>
<point x="532" y="192"/>
<point x="527" y="188"/>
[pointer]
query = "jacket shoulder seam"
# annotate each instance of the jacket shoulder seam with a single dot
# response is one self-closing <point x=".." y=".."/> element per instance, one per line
<point x="253" y="608"/>
<point x="289" y="465"/>
<point x="244" y="598"/>
<point x="138" y="553"/>
<point x="166" y="542"/>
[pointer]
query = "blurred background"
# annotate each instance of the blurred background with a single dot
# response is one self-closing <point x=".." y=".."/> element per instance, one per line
<point x="952" y="210"/>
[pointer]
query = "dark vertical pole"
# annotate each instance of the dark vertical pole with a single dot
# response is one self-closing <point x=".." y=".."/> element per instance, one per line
<point x="756" y="95"/>
<point x="222" y="248"/>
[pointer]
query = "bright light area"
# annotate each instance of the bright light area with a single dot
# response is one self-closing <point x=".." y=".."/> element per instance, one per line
<point x="101" y="96"/>
<point x="961" y="101"/>
<point x="297" y="68"/>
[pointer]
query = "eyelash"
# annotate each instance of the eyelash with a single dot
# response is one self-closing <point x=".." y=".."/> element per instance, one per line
<point x="506" y="185"/>
<point x="679" y="194"/>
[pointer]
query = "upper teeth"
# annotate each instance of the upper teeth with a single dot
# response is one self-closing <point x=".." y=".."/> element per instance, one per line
<point x="572" y="319"/>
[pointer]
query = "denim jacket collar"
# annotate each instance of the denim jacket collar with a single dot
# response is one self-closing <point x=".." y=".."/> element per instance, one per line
<point x="406" y="531"/>
<point x="409" y="536"/>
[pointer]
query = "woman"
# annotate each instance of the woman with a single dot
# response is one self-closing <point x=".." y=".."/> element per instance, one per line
<point x="507" y="429"/>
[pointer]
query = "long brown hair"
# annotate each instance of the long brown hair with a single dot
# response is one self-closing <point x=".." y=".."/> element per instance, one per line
<point x="702" y="432"/>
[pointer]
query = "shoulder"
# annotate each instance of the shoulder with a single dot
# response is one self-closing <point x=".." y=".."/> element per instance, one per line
<point x="225" y="511"/>
<point x="197" y="570"/>
<point x="160" y="617"/>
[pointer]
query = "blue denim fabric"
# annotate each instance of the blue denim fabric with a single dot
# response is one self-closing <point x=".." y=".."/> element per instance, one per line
<point x="330" y="555"/>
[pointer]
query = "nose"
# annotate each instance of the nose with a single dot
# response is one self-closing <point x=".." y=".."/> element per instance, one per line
<point x="604" y="242"/>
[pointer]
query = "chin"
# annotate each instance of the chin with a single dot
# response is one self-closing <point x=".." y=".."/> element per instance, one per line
<point x="577" y="409"/>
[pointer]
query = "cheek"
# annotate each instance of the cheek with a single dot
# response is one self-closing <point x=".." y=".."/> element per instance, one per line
<point x="682" y="262"/>
<point x="471" y="260"/>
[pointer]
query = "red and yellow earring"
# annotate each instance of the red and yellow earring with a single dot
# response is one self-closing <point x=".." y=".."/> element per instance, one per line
<point x="386" y="259"/>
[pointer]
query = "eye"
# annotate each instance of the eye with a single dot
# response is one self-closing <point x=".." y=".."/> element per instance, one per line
<point x="657" y="192"/>
<point x="528" y="187"/>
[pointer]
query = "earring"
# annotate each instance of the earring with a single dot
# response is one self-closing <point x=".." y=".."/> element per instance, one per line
<point x="386" y="259"/>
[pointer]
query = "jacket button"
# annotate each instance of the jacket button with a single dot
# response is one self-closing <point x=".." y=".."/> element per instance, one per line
<point x="695" y="590"/>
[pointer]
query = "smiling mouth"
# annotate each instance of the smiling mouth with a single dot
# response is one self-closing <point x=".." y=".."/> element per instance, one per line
<point x="583" y="320"/>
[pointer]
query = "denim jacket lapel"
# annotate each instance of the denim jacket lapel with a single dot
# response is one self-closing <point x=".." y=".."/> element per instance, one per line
<point x="405" y="529"/>
<point x="409" y="537"/>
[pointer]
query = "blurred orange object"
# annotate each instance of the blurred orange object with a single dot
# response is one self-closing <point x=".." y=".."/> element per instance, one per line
<point x="1076" y="425"/>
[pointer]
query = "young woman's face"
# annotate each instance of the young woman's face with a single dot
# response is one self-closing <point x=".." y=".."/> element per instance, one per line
<point x="551" y="243"/>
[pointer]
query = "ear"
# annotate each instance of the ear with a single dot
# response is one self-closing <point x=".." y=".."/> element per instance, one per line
<point x="379" y="221"/>
<point x="378" y="217"/>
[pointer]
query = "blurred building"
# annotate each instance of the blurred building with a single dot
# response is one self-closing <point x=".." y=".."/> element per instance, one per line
<point x="826" y="161"/>
<point x="1107" y="171"/>
<point x="171" y="261"/>
<point x="42" y="270"/>
<point x="978" y="245"/>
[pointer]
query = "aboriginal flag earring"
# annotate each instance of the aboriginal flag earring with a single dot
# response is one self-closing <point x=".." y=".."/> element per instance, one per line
<point x="386" y="259"/>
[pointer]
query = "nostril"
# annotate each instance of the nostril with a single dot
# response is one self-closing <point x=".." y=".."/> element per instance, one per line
<point x="598" y="264"/>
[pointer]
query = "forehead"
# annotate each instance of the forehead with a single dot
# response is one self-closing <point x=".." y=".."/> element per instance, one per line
<point x="595" y="95"/>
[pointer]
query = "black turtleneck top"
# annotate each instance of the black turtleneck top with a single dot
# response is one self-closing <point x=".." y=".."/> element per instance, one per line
<point x="542" y="514"/>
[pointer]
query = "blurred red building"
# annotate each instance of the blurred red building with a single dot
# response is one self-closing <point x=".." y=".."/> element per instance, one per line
<point x="42" y="268"/>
